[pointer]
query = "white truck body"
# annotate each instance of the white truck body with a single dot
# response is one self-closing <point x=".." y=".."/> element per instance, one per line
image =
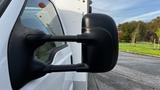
<point x="70" y="13"/>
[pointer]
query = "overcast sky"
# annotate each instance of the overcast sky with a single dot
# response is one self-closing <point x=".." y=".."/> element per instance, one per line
<point x="128" y="10"/>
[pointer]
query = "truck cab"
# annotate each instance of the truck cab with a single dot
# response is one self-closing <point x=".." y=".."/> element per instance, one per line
<point x="53" y="44"/>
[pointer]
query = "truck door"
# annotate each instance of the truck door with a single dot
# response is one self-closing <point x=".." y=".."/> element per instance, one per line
<point x="38" y="15"/>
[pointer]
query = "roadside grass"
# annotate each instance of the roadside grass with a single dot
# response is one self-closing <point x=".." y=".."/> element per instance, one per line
<point x="143" y="48"/>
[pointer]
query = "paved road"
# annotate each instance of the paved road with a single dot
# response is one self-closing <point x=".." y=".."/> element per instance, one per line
<point x="133" y="72"/>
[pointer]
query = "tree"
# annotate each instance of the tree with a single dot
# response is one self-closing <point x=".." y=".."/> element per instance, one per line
<point x="139" y="31"/>
<point x="142" y="31"/>
<point x="158" y="35"/>
<point x="150" y="36"/>
<point x="127" y="29"/>
<point x="133" y="31"/>
<point x="134" y="34"/>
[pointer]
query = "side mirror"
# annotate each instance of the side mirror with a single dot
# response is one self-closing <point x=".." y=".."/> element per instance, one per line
<point x="99" y="40"/>
<point x="99" y="50"/>
<point x="101" y="55"/>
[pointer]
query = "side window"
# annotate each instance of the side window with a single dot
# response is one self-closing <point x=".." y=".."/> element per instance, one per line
<point x="41" y="15"/>
<point x="3" y="5"/>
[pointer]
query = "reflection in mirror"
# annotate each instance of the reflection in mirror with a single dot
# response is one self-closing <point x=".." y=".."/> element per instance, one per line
<point x="41" y="15"/>
<point x="42" y="53"/>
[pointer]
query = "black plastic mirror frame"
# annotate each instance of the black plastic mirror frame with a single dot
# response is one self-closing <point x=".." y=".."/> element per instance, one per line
<point x="98" y="29"/>
<point x="102" y="55"/>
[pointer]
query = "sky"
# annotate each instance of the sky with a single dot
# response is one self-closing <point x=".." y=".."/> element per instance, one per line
<point x="128" y="10"/>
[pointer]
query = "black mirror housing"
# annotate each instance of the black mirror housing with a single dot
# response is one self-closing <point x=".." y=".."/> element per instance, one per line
<point x="100" y="56"/>
<point x="99" y="40"/>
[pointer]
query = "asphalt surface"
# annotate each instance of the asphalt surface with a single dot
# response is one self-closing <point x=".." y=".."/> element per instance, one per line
<point x="133" y="72"/>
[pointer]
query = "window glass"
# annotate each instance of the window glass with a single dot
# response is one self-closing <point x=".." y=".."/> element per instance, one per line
<point x="41" y="15"/>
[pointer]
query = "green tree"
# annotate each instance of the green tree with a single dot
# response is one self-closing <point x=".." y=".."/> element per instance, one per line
<point x="133" y="31"/>
<point x="139" y="31"/>
<point x="158" y="35"/>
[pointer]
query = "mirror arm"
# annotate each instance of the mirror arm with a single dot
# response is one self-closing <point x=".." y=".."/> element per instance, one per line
<point x="83" y="38"/>
<point x="65" y="68"/>
<point x="39" y="39"/>
<point x="39" y="69"/>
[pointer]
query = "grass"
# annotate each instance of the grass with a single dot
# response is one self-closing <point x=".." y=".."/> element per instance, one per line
<point x="143" y="48"/>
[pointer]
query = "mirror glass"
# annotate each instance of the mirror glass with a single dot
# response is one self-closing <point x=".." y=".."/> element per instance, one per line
<point x="41" y="15"/>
